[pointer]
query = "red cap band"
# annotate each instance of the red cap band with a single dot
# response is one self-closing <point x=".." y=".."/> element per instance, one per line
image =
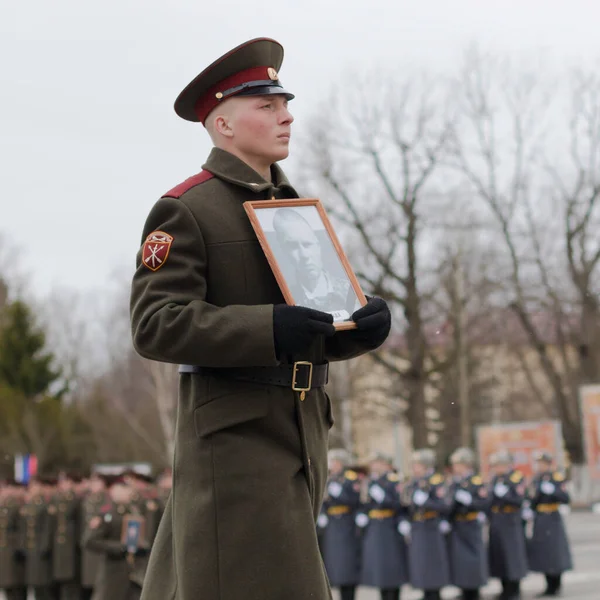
<point x="210" y="100"/>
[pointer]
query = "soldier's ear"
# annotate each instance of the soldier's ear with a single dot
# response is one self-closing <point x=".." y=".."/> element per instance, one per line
<point x="222" y="125"/>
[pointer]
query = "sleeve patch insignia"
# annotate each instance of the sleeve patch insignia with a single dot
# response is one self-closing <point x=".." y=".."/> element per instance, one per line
<point x="476" y="480"/>
<point x="393" y="477"/>
<point x="559" y="477"/>
<point x="156" y="250"/>
<point x="351" y="475"/>
<point x="436" y="479"/>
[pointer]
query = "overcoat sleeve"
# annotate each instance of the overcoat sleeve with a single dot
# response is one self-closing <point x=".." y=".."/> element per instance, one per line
<point x="170" y="316"/>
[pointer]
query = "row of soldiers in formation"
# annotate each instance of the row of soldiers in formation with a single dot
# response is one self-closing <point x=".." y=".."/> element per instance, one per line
<point x="64" y="538"/>
<point x="431" y="530"/>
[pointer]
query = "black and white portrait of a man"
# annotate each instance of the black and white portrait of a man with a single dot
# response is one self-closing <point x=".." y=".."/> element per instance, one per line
<point x="310" y="263"/>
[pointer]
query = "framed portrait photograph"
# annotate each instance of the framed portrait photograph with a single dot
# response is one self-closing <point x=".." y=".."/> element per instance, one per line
<point x="306" y="257"/>
<point x="133" y="532"/>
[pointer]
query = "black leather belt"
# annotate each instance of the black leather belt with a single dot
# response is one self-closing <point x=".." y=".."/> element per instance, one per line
<point x="302" y="376"/>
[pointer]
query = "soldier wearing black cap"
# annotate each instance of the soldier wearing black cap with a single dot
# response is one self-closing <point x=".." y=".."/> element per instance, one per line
<point x="548" y="548"/>
<point x="253" y="418"/>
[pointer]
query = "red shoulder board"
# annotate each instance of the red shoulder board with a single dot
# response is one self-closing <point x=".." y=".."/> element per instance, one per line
<point x="188" y="184"/>
<point x="105" y="508"/>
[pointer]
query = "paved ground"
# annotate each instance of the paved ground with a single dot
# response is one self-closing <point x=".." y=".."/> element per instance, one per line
<point x="581" y="584"/>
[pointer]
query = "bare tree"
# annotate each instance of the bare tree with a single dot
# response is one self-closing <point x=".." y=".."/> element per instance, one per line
<point x="376" y="158"/>
<point x="143" y="392"/>
<point x="578" y="192"/>
<point x="499" y="148"/>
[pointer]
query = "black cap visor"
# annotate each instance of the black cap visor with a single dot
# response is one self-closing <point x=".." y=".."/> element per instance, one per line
<point x="266" y="90"/>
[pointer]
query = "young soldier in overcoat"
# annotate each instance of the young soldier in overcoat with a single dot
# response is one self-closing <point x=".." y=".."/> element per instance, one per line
<point x="340" y="540"/>
<point x="253" y="418"/>
<point x="12" y="558"/>
<point x="425" y="498"/>
<point x="469" y="499"/>
<point x="384" y="563"/>
<point x="548" y="549"/>
<point x="120" y="573"/>
<point x="507" y="550"/>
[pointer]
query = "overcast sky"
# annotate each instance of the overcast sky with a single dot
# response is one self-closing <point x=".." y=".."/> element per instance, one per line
<point x="88" y="136"/>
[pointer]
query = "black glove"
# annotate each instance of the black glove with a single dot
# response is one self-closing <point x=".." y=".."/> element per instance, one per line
<point x="373" y="322"/>
<point x="295" y="327"/>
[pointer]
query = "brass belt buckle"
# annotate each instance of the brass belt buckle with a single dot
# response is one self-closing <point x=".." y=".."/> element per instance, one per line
<point x="302" y="390"/>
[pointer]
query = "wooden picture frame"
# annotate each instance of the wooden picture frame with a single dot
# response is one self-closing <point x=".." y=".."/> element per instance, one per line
<point x="130" y="541"/>
<point x="306" y="257"/>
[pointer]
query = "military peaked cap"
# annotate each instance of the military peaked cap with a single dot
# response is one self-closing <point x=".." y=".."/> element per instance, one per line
<point x="502" y="457"/>
<point x="250" y="69"/>
<point x="381" y="456"/>
<point x="424" y="456"/>
<point x="463" y="456"/>
<point x="339" y="454"/>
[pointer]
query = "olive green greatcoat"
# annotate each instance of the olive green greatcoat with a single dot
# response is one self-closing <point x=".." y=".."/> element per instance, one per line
<point x="36" y="542"/>
<point x="12" y="569"/>
<point x="66" y="555"/>
<point x="250" y="460"/>
<point x="116" y="574"/>
<point x="90" y="560"/>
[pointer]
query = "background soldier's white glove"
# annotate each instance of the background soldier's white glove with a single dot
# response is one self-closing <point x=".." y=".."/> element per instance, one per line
<point x="547" y="487"/>
<point x="322" y="521"/>
<point x="420" y="497"/>
<point x="445" y="527"/>
<point x="404" y="528"/>
<point x="527" y="514"/>
<point x="334" y="489"/>
<point x="361" y="520"/>
<point x="482" y="518"/>
<point x="464" y="497"/>
<point x="500" y="490"/>
<point x="377" y="493"/>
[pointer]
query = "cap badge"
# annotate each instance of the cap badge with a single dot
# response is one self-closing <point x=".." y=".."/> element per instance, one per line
<point x="272" y="73"/>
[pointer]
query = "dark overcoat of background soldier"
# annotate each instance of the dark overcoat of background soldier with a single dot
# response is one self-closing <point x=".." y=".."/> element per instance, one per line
<point x="507" y="550"/>
<point x="66" y="506"/>
<point x="425" y="498"/>
<point x="36" y="540"/>
<point x="12" y="558"/>
<point x="548" y="549"/>
<point x="469" y="501"/>
<point x="340" y="542"/>
<point x="384" y="563"/>
<point x="90" y="561"/>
